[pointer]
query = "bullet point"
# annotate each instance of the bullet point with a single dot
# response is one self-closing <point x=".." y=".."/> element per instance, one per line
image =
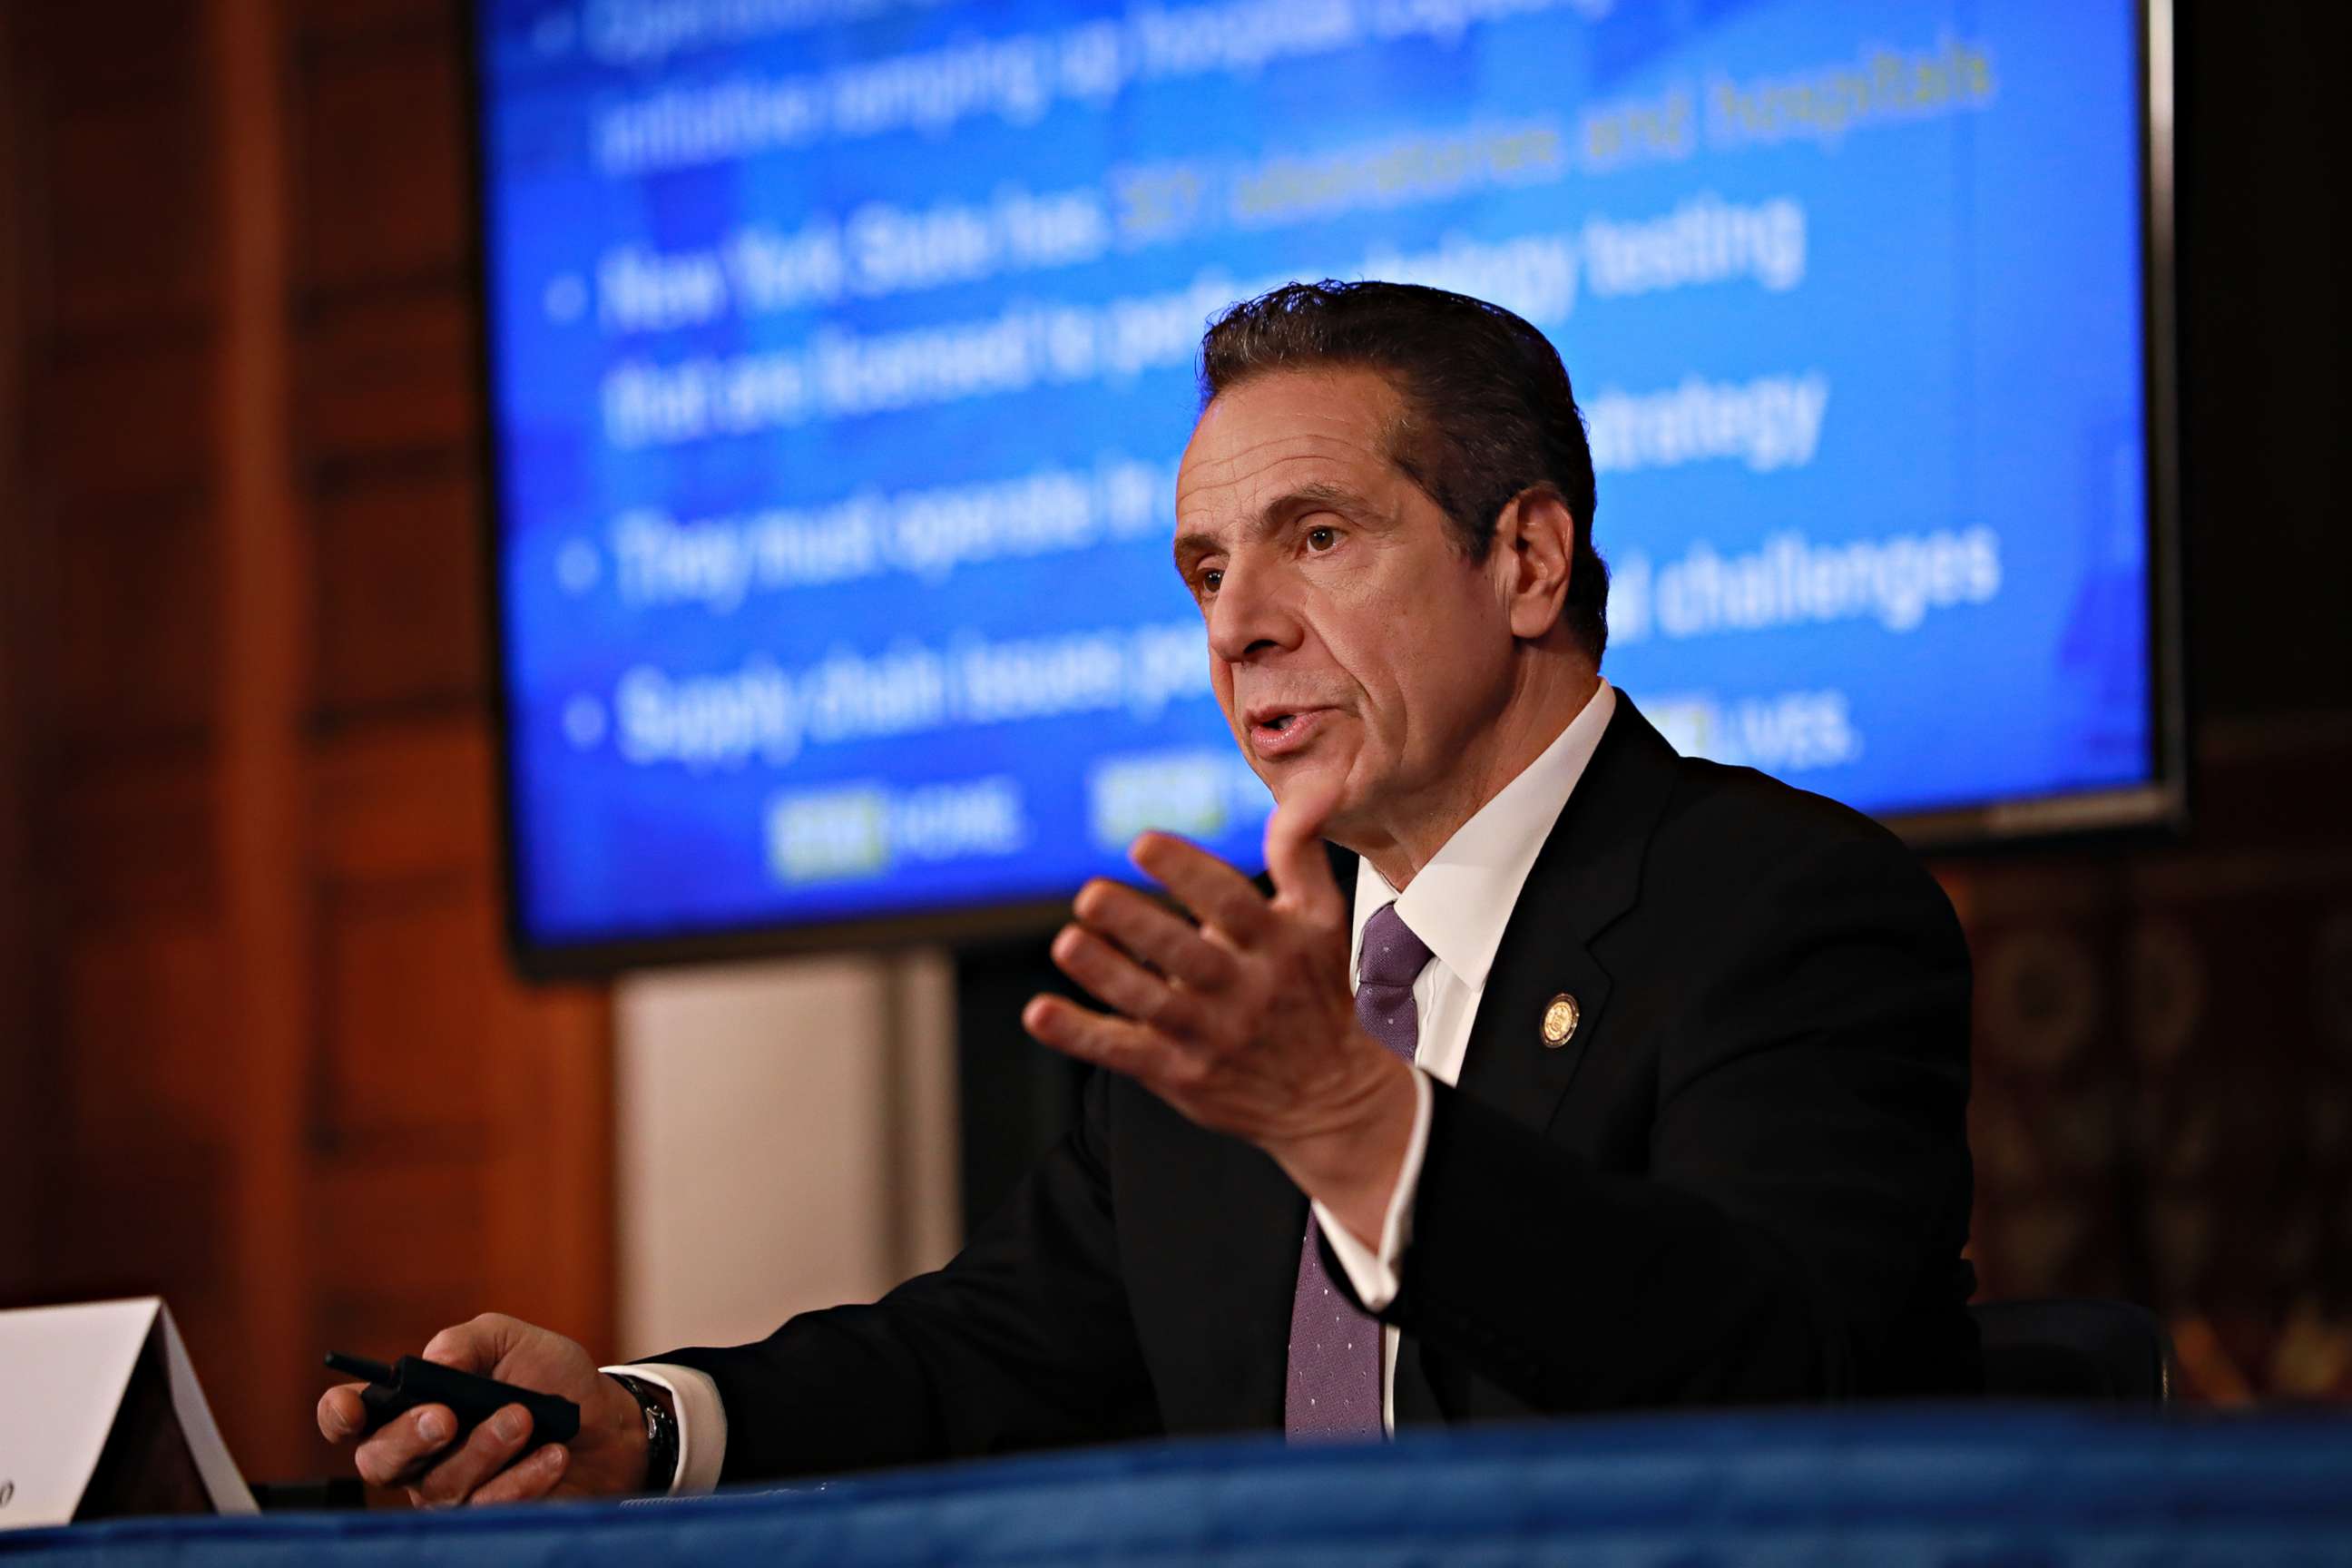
<point x="577" y="566"/>
<point x="565" y="298"/>
<point x="584" y="723"/>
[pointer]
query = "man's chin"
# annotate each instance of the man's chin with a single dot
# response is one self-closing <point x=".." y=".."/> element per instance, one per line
<point x="1306" y="777"/>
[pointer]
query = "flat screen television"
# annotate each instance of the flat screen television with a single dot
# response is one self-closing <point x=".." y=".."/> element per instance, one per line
<point x="838" y="354"/>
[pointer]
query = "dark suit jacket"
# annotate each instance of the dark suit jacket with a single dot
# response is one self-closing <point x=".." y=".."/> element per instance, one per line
<point x="1745" y="1177"/>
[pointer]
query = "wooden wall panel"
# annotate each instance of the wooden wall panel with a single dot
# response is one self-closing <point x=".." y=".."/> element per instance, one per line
<point x="438" y="1226"/>
<point x="391" y="378"/>
<point x="295" y="1089"/>
<point x="147" y="1221"/>
<point x="130" y="179"/>
<point x="548" y="1200"/>
<point x="146" y="1110"/>
<point x="346" y="24"/>
<point x="399" y="591"/>
<point x="408" y="984"/>
<point x="94" y="55"/>
<point x="383" y="164"/>
<point x="124" y="422"/>
<point x="146" y="1009"/>
<point x="138" y="620"/>
<point x="25" y="1064"/>
<point x="133" y="842"/>
<point x="405" y="799"/>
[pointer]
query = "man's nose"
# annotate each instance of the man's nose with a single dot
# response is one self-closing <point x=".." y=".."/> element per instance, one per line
<point x="1249" y="617"/>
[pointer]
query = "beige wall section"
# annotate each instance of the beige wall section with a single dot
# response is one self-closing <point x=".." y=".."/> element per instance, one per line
<point x="786" y="1140"/>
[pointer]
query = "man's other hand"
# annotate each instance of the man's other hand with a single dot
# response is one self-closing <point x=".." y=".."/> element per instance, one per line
<point x="498" y="1461"/>
<point x="1245" y="1023"/>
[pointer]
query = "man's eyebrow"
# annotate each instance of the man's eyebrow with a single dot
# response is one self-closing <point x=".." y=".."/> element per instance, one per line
<point x="1315" y="495"/>
<point x="1308" y="497"/>
<point x="1191" y="547"/>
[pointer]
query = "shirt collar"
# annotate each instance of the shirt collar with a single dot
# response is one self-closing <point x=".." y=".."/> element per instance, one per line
<point x="1460" y="901"/>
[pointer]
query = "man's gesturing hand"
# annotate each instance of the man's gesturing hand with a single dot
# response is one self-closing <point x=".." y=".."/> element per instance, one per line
<point x="498" y="1461"/>
<point x="1247" y="1023"/>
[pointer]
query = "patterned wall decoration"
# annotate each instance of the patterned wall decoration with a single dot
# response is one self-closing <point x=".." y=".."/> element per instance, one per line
<point x="2163" y="1103"/>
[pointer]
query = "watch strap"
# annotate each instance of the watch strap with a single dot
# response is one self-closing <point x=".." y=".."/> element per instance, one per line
<point x="661" y="1433"/>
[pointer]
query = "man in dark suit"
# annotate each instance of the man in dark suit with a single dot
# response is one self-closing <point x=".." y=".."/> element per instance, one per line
<point x="1576" y="1076"/>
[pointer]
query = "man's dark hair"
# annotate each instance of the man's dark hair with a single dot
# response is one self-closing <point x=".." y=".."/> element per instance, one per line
<point x="1488" y="410"/>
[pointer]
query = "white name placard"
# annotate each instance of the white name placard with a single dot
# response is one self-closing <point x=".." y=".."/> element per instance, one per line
<point x="104" y="1393"/>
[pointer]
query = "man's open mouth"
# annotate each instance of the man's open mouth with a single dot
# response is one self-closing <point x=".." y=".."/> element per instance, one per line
<point x="1285" y="730"/>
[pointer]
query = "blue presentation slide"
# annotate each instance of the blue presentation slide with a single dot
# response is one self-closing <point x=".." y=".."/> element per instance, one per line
<point x="843" y="351"/>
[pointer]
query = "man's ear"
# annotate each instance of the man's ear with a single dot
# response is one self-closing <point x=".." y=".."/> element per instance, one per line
<point x="1535" y="550"/>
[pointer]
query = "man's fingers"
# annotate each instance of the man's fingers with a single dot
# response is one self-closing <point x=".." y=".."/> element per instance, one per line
<point x="1151" y="933"/>
<point x="534" y="1476"/>
<point x="340" y="1413"/>
<point x="396" y="1450"/>
<point x="1294" y="852"/>
<point x="1121" y="982"/>
<point x="488" y="1449"/>
<point x="1216" y="892"/>
<point x="1113" y="1042"/>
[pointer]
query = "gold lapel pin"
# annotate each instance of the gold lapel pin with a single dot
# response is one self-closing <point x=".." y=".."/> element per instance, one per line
<point x="1558" y="1020"/>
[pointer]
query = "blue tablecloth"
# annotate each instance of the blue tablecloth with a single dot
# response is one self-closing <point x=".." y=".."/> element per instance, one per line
<point x="1976" y="1485"/>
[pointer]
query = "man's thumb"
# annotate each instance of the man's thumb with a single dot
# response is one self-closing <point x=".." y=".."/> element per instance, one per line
<point x="476" y="1345"/>
<point x="1294" y="851"/>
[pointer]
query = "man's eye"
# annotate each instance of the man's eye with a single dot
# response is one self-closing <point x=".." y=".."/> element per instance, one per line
<point x="1209" y="579"/>
<point x="1321" y="539"/>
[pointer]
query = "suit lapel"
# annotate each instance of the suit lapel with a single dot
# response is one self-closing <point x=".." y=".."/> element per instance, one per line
<point x="1587" y="875"/>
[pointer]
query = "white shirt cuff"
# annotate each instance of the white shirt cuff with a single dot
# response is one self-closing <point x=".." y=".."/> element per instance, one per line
<point x="701" y="1423"/>
<point x="1375" y="1277"/>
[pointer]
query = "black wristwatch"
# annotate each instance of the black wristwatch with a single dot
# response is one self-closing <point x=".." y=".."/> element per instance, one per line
<point x="661" y="1433"/>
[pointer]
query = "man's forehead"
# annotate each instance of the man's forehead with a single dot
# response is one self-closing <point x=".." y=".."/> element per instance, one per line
<point x="1285" y="429"/>
<point x="1273" y="466"/>
<point x="1322" y="398"/>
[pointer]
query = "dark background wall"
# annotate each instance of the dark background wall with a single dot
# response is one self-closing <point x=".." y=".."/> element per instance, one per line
<point x="257" y="1047"/>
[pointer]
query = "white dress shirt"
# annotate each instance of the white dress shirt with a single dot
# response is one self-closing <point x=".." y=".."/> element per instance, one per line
<point x="1457" y="905"/>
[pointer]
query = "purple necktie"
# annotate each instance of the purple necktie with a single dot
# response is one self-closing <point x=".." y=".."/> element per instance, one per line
<point x="1334" y="1390"/>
